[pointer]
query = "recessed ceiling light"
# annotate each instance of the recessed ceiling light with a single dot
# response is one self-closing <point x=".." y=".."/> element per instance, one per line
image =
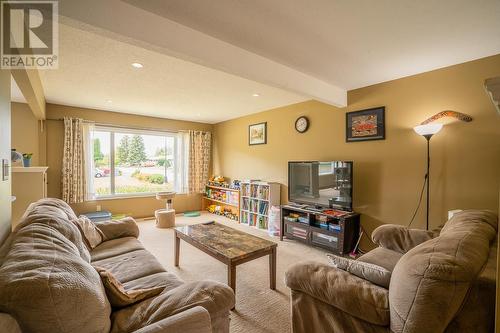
<point x="137" y="65"/>
<point x="255" y="95"/>
<point x="109" y="101"/>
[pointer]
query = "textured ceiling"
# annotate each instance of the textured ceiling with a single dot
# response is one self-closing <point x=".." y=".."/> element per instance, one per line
<point x="350" y="44"/>
<point x="94" y="69"/>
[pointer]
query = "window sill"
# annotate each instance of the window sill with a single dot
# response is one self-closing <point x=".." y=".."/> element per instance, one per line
<point x="125" y="196"/>
<point x="135" y="196"/>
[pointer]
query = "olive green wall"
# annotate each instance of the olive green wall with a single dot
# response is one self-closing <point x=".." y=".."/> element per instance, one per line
<point x="388" y="174"/>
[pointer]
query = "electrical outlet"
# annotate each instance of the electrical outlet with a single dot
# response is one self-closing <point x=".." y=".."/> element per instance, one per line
<point x="98" y="208"/>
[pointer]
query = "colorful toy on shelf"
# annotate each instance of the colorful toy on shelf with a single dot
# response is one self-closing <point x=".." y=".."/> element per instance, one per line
<point x="218" y="181"/>
<point x="235" y="184"/>
<point x="223" y="199"/>
<point x="222" y="211"/>
<point x="211" y="209"/>
<point x="224" y="196"/>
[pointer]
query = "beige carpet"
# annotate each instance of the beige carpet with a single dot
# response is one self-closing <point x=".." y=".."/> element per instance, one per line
<point x="258" y="308"/>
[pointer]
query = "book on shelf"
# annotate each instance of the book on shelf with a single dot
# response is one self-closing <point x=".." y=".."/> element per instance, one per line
<point x="222" y="195"/>
<point x="253" y="206"/>
<point x="245" y="190"/>
<point x="264" y="192"/>
<point x="263" y="207"/>
<point x="256" y="200"/>
<point x="262" y="222"/>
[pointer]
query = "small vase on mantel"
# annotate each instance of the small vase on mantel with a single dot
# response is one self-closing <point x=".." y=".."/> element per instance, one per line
<point x="27" y="159"/>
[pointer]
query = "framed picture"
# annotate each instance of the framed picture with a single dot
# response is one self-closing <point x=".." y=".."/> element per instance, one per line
<point x="257" y="134"/>
<point x="365" y="125"/>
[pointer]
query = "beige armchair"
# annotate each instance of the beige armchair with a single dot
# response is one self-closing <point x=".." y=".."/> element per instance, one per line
<point x="441" y="282"/>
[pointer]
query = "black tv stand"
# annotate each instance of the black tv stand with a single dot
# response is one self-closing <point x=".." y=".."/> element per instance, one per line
<point x="338" y="234"/>
<point x="314" y="208"/>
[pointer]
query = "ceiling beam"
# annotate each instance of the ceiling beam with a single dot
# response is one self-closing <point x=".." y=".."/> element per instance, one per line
<point x="127" y="23"/>
<point x="30" y="85"/>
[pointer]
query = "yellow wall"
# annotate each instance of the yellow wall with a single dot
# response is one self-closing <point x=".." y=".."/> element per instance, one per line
<point x="53" y="134"/>
<point x="26" y="136"/>
<point x="388" y="174"/>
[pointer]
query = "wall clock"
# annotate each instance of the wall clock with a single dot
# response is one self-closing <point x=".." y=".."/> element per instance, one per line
<point x="301" y="124"/>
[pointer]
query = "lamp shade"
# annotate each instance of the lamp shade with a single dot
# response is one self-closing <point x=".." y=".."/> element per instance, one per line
<point x="428" y="129"/>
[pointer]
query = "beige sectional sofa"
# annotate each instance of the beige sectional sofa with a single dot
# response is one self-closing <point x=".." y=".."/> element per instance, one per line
<point x="440" y="282"/>
<point x="48" y="283"/>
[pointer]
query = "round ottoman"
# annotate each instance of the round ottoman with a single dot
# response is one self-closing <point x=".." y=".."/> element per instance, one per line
<point x="165" y="218"/>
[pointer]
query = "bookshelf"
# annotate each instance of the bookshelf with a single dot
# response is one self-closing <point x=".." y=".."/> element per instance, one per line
<point x="256" y="198"/>
<point x="226" y="199"/>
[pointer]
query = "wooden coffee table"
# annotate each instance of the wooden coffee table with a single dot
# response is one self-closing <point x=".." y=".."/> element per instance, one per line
<point x="228" y="245"/>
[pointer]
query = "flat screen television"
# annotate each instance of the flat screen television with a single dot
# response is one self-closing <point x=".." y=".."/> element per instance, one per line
<point x="321" y="184"/>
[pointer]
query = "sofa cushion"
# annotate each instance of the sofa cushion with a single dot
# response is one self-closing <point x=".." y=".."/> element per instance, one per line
<point x="131" y="265"/>
<point x="126" y="227"/>
<point x="217" y="298"/>
<point x="430" y="282"/>
<point x="118" y="295"/>
<point x="382" y="257"/>
<point x="342" y="290"/>
<point x="370" y="272"/>
<point x="47" y="286"/>
<point x="163" y="279"/>
<point x="115" y="247"/>
<point x="90" y="234"/>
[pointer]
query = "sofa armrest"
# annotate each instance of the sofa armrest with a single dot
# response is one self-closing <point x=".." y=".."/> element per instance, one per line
<point x="126" y="227"/>
<point x="399" y="238"/>
<point x="344" y="291"/>
<point x="194" y="320"/>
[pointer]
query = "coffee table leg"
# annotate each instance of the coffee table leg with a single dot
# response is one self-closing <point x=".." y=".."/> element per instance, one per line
<point x="231" y="278"/>
<point x="272" y="269"/>
<point x="177" y="245"/>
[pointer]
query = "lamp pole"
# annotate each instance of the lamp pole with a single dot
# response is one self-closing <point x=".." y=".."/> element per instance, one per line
<point x="427" y="131"/>
<point x="427" y="179"/>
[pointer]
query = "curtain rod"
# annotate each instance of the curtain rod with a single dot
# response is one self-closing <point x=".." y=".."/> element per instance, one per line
<point x="123" y="126"/>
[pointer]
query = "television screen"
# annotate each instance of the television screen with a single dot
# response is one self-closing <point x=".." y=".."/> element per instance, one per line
<point x="321" y="184"/>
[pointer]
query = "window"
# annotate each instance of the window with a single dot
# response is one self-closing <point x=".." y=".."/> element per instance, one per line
<point x="128" y="162"/>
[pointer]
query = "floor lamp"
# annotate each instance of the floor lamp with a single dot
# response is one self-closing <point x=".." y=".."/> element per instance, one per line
<point x="427" y="131"/>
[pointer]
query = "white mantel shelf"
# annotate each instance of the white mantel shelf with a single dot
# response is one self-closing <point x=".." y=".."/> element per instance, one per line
<point x="30" y="169"/>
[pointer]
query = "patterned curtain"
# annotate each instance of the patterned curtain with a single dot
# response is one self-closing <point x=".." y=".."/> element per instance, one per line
<point x="200" y="144"/>
<point x="73" y="171"/>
